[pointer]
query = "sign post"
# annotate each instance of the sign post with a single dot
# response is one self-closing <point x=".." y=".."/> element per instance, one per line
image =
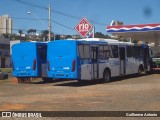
<point x="85" y="28"/>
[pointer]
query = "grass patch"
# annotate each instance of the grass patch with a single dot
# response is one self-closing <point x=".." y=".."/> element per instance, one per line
<point x="8" y="70"/>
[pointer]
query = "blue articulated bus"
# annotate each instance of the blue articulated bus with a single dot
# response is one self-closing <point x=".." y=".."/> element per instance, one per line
<point x="88" y="59"/>
<point x="28" y="59"/>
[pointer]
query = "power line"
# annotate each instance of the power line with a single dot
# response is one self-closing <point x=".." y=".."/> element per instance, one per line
<point x="66" y="14"/>
<point x="30" y="4"/>
<point x="27" y="18"/>
<point x="63" y="25"/>
<point x="46" y="20"/>
<point x="61" y="13"/>
<point x="46" y="8"/>
<point x="75" y="17"/>
<point x="16" y="29"/>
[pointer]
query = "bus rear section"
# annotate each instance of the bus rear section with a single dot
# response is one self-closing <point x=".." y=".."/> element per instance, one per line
<point x="155" y="58"/>
<point x="27" y="59"/>
<point x="62" y="60"/>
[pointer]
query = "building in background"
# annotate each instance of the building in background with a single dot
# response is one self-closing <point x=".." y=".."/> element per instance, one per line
<point x="5" y="24"/>
<point x="5" y="58"/>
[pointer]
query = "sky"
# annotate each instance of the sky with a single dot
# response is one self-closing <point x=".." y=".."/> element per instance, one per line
<point x="69" y="12"/>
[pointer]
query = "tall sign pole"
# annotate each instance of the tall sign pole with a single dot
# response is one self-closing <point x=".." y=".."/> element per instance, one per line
<point x="49" y="21"/>
<point x="93" y="32"/>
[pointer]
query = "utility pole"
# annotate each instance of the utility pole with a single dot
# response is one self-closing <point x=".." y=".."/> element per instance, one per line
<point x="49" y="21"/>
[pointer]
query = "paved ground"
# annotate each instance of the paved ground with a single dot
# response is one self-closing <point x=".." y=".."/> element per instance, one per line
<point x="123" y="94"/>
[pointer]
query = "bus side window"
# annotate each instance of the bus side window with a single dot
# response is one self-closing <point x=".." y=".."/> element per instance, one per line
<point x="114" y="50"/>
<point x="84" y="53"/>
<point x="81" y="52"/>
<point x="93" y="53"/>
<point x="107" y="51"/>
<point x="104" y="52"/>
<point x="135" y="51"/>
<point x="129" y="51"/>
<point x="140" y="52"/>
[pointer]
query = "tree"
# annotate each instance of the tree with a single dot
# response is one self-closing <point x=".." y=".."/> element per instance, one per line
<point x="31" y="31"/>
<point x="58" y="37"/>
<point x="101" y="35"/>
<point x="135" y="41"/>
<point x="68" y="36"/>
<point x="6" y="35"/>
<point x="20" y="32"/>
<point x="44" y="34"/>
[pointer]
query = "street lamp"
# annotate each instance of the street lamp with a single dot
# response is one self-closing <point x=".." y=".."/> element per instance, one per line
<point x="31" y="13"/>
<point x="49" y="20"/>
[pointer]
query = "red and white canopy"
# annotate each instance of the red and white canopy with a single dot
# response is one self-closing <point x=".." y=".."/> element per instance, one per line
<point x="144" y="32"/>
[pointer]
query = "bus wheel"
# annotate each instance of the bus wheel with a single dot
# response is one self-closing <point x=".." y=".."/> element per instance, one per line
<point x="19" y="80"/>
<point x="106" y="76"/>
<point x="46" y="80"/>
<point x="140" y="70"/>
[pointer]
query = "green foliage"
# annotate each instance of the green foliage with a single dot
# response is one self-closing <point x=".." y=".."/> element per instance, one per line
<point x="6" y="35"/>
<point x="8" y="70"/>
<point x="135" y="41"/>
<point x="58" y="37"/>
<point x="68" y="36"/>
<point x="31" y="31"/>
<point x="44" y="35"/>
<point x="100" y="35"/>
<point x="20" y="32"/>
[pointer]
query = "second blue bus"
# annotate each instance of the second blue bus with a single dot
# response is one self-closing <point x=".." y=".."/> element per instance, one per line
<point x="89" y="59"/>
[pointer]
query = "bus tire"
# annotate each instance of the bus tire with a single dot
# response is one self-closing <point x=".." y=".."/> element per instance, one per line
<point x="46" y="80"/>
<point x="106" y="76"/>
<point x="80" y="81"/>
<point x="140" y="70"/>
<point x="19" y="80"/>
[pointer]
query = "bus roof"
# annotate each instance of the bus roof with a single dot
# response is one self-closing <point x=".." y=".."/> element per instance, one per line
<point x="33" y="42"/>
<point x="99" y="39"/>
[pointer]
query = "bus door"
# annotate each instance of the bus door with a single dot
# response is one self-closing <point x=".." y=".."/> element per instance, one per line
<point x="146" y="59"/>
<point x="122" y="54"/>
<point x="95" y="62"/>
<point x="85" y="62"/>
<point x="42" y="60"/>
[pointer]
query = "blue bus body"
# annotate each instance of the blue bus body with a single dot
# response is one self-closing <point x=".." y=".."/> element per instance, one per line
<point x="27" y="59"/>
<point x="95" y="59"/>
<point x="62" y="59"/>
